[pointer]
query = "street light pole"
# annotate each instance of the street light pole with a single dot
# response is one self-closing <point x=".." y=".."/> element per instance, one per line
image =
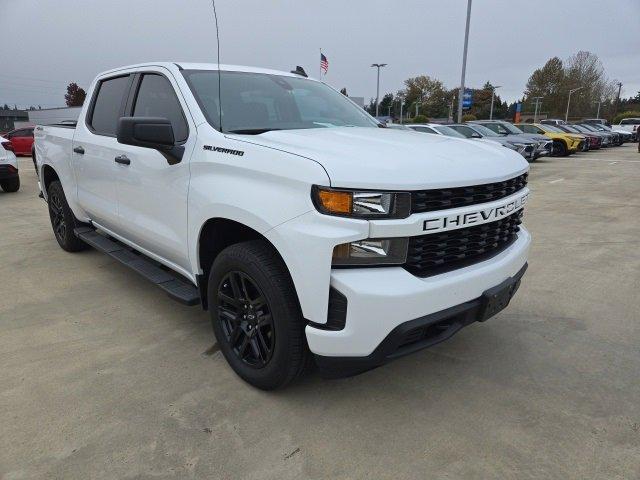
<point x="535" y="112"/>
<point x="401" y="103"/>
<point x="615" y="111"/>
<point x="493" y="94"/>
<point x="378" y="66"/>
<point x="464" y="62"/>
<point x="566" y="116"/>
<point x="598" y="113"/>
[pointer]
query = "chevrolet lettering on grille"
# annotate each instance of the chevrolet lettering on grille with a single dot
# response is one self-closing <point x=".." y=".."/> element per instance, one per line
<point x="466" y="219"/>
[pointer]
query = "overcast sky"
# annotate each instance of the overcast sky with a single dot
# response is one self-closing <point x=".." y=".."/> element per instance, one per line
<point x="46" y="44"/>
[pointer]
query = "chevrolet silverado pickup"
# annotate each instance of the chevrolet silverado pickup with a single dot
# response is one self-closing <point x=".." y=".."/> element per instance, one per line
<point x="308" y="232"/>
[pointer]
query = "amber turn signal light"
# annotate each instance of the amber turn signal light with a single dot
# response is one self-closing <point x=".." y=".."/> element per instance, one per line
<point x="335" y="201"/>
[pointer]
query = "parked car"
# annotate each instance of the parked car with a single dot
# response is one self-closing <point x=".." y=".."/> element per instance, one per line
<point x="436" y="129"/>
<point x="563" y="143"/>
<point x="484" y="134"/>
<point x="605" y="138"/>
<point x="552" y="121"/>
<point x="593" y="141"/>
<point x="625" y="136"/>
<point x="631" y="125"/>
<point x="271" y="216"/>
<point x="615" y="138"/>
<point x="544" y="146"/>
<point x="9" y="175"/>
<point x="21" y="140"/>
<point x="596" y="121"/>
<point x="398" y="126"/>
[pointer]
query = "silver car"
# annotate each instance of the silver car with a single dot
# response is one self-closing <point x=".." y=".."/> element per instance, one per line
<point x="544" y="145"/>
<point x="480" y="132"/>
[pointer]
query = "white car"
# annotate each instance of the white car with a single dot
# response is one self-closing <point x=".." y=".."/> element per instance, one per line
<point x="307" y="231"/>
<point x="9" y="176"/>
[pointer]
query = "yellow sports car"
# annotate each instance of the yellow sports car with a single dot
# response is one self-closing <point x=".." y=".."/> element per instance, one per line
<point x="563" y="143"/>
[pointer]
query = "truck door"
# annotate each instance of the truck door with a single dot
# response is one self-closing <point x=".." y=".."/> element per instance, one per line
<point x="95" y="148"/>
<point x="152" y="194"/>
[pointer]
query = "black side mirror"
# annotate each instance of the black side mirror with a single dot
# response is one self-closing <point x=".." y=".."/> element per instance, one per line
<point x="476" y="135"/>
<point x="150" y="132"/>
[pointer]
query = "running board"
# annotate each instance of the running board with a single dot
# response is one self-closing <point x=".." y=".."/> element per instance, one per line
<point x="177" y="289"/>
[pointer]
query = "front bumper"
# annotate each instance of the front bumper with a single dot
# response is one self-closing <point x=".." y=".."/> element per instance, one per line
<point x="381" y="299"/>
<point x="543" y="149"/>
<point x="424" y="332"/>
<point x="8" y="172"/>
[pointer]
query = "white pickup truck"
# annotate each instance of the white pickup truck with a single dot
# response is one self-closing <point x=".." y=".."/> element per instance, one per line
<point x="630" y="125"/>
<point x="307" y="231"/>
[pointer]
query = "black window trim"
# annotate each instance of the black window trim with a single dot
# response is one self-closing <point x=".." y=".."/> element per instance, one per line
<point x="134" y="89"/>
<point x="94" y="97"/>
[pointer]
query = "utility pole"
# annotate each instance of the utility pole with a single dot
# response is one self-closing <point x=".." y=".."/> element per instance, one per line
<point x="378" y="66"/>
<point x="535" y="112"/>
<point x="566" y="116"/>
<point x="464" y="61"/>
<point x="389" y="113"/>
<point x="493" y="94"/>
<point x="401" y="104"/>
<point x="598" y="112"/>
<point x="615" y="111"/>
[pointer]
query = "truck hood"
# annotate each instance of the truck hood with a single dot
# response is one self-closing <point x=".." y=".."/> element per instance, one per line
<point x="380" y="158"/>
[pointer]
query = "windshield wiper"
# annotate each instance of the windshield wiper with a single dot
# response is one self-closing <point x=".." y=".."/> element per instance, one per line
<point x="253" y="131"/>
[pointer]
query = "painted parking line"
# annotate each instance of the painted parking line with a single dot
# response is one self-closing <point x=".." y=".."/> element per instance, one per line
<point x="557" y="180"/>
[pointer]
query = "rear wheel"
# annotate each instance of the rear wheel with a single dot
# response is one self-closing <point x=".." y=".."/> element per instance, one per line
<point x="256" y="316"/>
<point x="63" y="221"/>
<point x="10" y="185"/>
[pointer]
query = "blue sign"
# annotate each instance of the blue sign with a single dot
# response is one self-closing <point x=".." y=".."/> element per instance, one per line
<point x="467" y="98"/>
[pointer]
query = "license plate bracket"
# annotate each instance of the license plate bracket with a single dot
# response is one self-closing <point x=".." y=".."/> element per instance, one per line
<point x="497" y="298"/>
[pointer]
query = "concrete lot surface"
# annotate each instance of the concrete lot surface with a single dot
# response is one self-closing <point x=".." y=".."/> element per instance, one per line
<point x="103" y="376"/>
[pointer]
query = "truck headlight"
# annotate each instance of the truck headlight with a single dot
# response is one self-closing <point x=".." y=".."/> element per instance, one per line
<point x="360" y="203"/>
<point x="372" y="251"/>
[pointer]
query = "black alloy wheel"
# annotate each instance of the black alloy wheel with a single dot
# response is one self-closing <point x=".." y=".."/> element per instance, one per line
<point x="246" y="319"/>
<point x="56" y="212"/>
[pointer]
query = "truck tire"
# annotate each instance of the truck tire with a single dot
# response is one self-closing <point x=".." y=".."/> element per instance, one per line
<point x="10" y="185"/>
<point x="256" y="316"/>
<point x="63" y="221"/>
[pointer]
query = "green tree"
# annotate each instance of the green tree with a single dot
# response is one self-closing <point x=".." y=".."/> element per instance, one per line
<point x="428" y="94"/>
<point x="75" y="95"/>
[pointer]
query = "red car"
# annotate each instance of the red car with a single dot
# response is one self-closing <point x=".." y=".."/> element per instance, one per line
<point x="21" y="140"/>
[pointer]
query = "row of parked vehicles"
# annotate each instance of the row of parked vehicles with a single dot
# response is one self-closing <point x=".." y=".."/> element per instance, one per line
<point x="534" y="140"/>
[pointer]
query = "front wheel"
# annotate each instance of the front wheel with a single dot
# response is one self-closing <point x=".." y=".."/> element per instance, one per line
<point x="256" y="316"/>
<point x="10" y="185"/>
<point x="561" y="149"/>
<point x="63" y="221"/>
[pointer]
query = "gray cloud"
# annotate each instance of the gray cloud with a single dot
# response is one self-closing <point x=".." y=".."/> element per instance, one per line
<point x="48" y="43"/>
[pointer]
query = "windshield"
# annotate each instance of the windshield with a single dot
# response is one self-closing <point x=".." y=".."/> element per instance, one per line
<point x="511" y="128"/>
<point x="254" y="103"/>
<point x="553" y="128"/>
<point x="448" y="131"/>
<point x="630" y="121"/>
<point x="482" y="130"/>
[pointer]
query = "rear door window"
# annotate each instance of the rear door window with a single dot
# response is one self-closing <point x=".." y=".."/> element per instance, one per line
<point x="108" y="105"/>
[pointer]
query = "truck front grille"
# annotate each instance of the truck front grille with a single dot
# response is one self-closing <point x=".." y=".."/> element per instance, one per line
<point x="445" y="198"/>
<point x="441" y="252"/>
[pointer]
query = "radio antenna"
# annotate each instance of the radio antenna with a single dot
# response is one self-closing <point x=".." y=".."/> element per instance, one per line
<point x="215" y="16"/>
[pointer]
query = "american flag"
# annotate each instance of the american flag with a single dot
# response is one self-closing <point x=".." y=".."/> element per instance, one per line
<point x="324" y="63"/>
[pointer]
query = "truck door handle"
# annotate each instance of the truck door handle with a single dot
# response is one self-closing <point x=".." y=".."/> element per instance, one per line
<point x="78" y="150"/>
<point x="123" y="159"/>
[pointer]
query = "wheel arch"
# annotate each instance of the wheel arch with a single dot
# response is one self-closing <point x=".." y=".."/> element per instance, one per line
<point x="214" y="236"/>
<point x="49" y="175"/>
